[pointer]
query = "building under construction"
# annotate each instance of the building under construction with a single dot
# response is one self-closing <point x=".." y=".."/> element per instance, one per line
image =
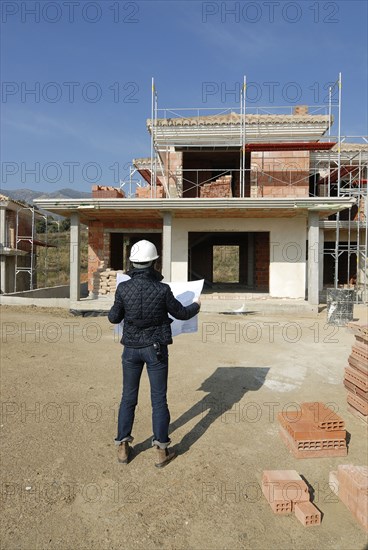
<point x="268" y="202"/>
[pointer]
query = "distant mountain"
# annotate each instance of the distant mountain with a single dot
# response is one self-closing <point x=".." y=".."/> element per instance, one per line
<point x="27" y="195"/>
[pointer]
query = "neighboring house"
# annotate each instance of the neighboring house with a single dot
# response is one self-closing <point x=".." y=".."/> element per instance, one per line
<point x="260" y="208"/>
<point x="17" y="245"/>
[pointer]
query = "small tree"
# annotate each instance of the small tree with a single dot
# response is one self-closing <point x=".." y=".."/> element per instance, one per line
<point x="65" y="224"/>
<point x="41" y="226"/>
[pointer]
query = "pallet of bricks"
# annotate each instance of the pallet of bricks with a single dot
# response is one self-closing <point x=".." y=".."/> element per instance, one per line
<point x="356" y="373"/>
<point x="315" y="431"/>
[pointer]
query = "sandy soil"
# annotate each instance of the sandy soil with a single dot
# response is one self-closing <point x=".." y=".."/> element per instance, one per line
<point x="62" y="487"/>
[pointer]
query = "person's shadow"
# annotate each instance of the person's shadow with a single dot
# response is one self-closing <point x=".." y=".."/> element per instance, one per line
<point x="225" y="387"/>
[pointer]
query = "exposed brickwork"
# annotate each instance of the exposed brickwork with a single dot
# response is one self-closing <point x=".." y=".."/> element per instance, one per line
<point x="262" y="260"/>
<point x="173" y="169"/>
<point x="220" y="188"/>
<point x="96" y="252"/>
<point x="99" y="243"/>
<point x="104" y="192"/>
<point x="145" y="192"/>
<point x="280" y="174"/>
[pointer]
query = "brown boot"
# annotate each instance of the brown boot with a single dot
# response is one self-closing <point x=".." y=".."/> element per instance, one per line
<point x="123" y="452"/>
<point x="164" y="456"/>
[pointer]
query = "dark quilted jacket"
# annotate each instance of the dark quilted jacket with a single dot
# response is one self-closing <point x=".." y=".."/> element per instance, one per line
<point x="144" y="303"/>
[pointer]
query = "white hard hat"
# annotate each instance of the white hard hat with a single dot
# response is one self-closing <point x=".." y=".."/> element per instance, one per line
<point x="143" y="251"/>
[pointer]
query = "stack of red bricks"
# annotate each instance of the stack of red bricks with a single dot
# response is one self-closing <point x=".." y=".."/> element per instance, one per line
<point x="356" y="373"/>
<point x="105" y="192"/>
<point x="315" y="431"/>
<point x="350" y="483"/>
<point x="286" y="492"/>
<point x="220" y="188"/>
<point x="145" y="192"/>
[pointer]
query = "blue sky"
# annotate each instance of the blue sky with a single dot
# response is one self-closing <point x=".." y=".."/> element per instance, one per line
<point x="91" y="63"/>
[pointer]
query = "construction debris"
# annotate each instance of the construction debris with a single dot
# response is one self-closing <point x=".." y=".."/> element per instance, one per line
<point x="350" y="484"/>
<point x="315" y="431"/>
<point x="286" y="492"/>
<point x="356" y="373"/>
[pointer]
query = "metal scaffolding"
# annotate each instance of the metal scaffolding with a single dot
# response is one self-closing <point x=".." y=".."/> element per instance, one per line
<point x="25" y="256"/>
<point x="339" y="168"/>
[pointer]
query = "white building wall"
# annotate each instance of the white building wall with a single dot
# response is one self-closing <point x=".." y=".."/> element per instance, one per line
<point x="287" y="248"/>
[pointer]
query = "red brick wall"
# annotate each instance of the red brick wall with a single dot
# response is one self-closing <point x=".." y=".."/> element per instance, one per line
<point x="104" y="192"/>
<point x="281" y="173"/>
<point x="219" y="188"/>
<point x="99" y="242"/>
<point x="145" y="192"/>
<point x="262" y="260"/>
<point x="172" y="165"/>
<point x="96" y="252"/>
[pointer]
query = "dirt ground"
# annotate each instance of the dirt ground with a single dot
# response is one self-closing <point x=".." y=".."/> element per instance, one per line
<point x="62" y="487"/>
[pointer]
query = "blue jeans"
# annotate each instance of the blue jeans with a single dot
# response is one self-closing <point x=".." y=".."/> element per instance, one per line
<point x="157" y="369"/>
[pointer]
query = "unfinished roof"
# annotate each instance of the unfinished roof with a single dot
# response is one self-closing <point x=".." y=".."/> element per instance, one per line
<point x="227" y="130"/>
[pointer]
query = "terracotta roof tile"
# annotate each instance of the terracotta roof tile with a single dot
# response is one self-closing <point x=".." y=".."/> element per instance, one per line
<point x="235" y="119"/>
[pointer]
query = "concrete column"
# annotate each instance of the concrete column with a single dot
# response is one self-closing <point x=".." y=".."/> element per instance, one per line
<point x="166" y="245"/>
<point x="74" y="257"/>
<point x="2" y="244"/>
<point x="320" y="257"/>
<point x="313" y="257"/>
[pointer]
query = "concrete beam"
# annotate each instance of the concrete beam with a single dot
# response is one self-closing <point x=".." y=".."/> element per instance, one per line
<point x="74" y="257"/>
<point x="313" y="258"/>
<point x="167" y="245"/>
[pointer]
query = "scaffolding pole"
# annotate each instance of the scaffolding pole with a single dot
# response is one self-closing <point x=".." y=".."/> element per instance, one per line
<point x="152" y="131"/>
<point x="337" y="239"/>
<point x="243" y="123"/>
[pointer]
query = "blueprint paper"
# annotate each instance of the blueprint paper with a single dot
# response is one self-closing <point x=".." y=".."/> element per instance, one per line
<point x="186" y="293"/>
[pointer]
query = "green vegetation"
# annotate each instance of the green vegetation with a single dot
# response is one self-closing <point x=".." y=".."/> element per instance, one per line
<point x="225" y="264"/>
<point x="53" y="261"/>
